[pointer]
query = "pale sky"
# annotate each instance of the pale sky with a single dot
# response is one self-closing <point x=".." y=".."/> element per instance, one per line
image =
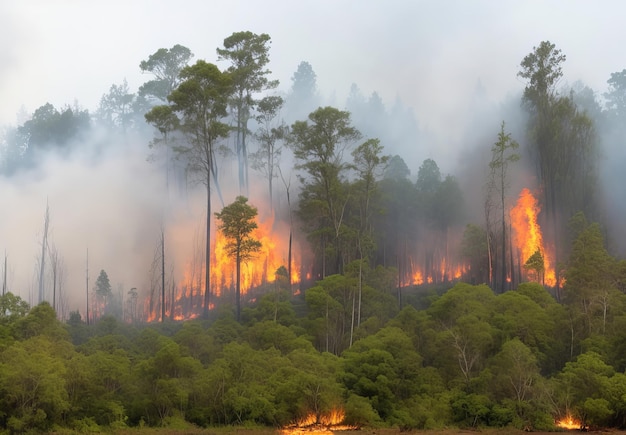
<point x="430" y="53"/>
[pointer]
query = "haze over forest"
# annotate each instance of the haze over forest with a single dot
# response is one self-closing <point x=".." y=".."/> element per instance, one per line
<point x="431" y="80"/>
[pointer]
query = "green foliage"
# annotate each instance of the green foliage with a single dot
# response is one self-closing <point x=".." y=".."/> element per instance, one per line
<point x="237" y="221"/>
<point x="12" y="308"/>
<point x="165" y="65"/>
<point x="318" y="146"/>
<point x="248" y="54"/>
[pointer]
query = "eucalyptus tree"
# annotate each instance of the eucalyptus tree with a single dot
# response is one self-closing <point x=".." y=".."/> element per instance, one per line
<point x="165" y="65"/>
<point x="199" y="104"/>
<point x="248" y="54"/>
<point x="318" y="145"/>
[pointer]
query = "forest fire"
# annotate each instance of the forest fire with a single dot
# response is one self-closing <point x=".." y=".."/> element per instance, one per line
<point x="528" y="239"/>
<point x="446" y="272"/>
<point x="569" y="422"/>
<point x="324" y="423"/>
<point x="188" y="294"/>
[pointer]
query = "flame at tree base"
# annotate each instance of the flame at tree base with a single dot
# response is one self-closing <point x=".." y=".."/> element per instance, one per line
<point x="570" y="422"/>
<point x="528" y="238"/>
<point x="324" y="424"/>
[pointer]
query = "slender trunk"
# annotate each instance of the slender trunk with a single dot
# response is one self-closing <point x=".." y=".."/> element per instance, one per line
<point x="44" y="245"/>
<point x="244" y="153"/>
<point x="238" y="288"/>
<point x="207" y="259"/>
<point x="490" y="259"/>
<point x="216" y="182"/>
<point x="352" y="320"/>
<point x="87" y="284"/>
<point x="503" y="253"/>
<point x="360" y="289"/>
<point x="4" y="280"/>
<point x="162" y="275"/>
<point x="513" y="283"/>
<point x="54" y="285"/>
<point x="289" y="260"/>
<point x="270" y="189"/>
<point x="239" y="156"/>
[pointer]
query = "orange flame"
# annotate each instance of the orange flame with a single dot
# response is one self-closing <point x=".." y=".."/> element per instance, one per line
<point x="570" y="422"/>
<point x="528" y="237"/>
<point x="321" y="424"/>
<point x="259" y="270"/>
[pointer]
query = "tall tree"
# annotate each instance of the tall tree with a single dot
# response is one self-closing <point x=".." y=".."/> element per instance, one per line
<point x="269" y="135"/>
<point x="116" y="108"/>
<point x="44" y="249"/>
<point x="562" y="142"/>
<point x="249" y="56"/>
<point x="303" y="97"/>
<point x="318" y="145"/>
<point x="369" y="164"/>
<point x="502" y="154"/>
<point x="426" y="188"/>
<point x="165" y="65"/>
<point x="237" y="223"/>
<point x="200" y="103"/>
<point x="103" y="287"/>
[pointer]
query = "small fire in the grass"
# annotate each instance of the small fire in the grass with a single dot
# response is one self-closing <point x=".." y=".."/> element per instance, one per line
<point x="323" y="423"/>
<point x="569" y="422"/>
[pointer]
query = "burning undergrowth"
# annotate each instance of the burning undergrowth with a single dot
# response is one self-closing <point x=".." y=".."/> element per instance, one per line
<point x="326" y="423"/>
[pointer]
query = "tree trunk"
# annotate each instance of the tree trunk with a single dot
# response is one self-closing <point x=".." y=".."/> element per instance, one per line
<point x="162" y="275"/>
<point x="207" y="259"/>
<point x="44" y="244"/>
<point x="238" y="288"/>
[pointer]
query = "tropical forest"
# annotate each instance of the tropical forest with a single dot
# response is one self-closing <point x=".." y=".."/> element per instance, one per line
<point x="295" y="268"/>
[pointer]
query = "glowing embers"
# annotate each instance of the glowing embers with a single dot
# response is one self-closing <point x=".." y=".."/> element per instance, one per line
<point x="528" y="240"/>
<point x="324" y="423"/>
<point x="569" y="422"/>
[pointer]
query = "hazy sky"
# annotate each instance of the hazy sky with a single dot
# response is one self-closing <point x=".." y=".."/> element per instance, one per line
<point x="430" y="53"/>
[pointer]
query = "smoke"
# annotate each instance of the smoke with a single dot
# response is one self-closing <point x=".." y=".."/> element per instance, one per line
<point x="102" y="198"/>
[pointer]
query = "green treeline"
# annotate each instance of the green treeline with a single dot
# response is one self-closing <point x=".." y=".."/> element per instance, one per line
<point x="384" y="329"/>
<point x="462" y="357"/>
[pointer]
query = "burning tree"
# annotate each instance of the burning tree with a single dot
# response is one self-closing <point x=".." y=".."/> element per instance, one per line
<point x="562" y="143"/>
<point x="237" y="224"/>
<point x="200" y="103"/>
<point x="536" y="265"/>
